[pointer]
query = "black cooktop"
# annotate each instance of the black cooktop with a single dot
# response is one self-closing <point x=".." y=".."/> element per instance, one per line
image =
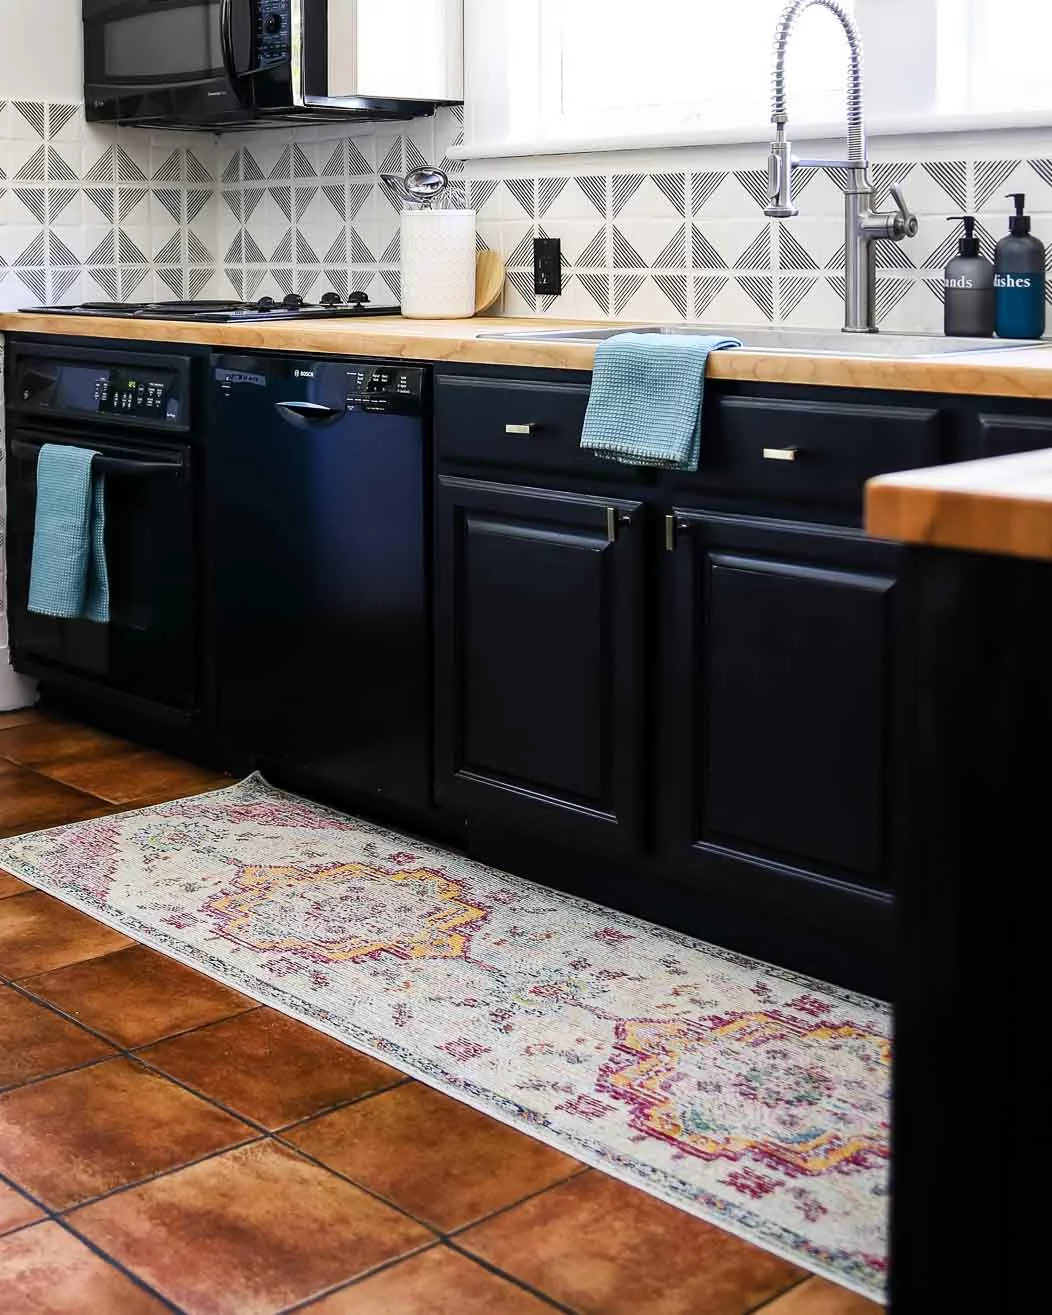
<point x="292" y="307"/>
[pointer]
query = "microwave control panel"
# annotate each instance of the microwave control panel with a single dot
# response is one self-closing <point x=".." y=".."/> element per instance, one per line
<point x="273" y="29"/>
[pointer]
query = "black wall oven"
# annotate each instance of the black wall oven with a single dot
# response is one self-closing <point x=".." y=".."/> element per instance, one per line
<point x="215" y="64"/>
<point x="133" y="409"/>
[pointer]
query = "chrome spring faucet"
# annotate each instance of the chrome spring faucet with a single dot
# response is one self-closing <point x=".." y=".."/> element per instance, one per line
<point x="863" y="226"/>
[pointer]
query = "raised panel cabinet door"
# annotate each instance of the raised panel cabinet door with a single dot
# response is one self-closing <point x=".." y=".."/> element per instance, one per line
<point x="784" y="673"/>
<point x="539" y="660"/>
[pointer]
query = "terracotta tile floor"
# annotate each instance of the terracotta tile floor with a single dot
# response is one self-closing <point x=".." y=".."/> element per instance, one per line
<point x="168" y="1145"/>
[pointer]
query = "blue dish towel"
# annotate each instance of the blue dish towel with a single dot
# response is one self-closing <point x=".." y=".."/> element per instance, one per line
<point x="646" y="401"/>
<point x="68" y="577"/>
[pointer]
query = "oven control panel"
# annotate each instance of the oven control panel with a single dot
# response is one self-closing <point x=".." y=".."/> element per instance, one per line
<point x="144" y="394"/>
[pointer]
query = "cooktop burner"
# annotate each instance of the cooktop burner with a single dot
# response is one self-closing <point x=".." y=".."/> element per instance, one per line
<point x="292" y="307"/>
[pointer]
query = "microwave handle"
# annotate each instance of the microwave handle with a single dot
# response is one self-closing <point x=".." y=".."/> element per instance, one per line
<point x="226" y="43"/>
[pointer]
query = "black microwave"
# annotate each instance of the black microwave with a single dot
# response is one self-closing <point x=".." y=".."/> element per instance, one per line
<point x="217" y="64"/>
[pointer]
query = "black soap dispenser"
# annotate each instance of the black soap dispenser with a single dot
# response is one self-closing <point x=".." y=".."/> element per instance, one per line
<point x="1019" y="278"/>
<point x="969" y="287"/>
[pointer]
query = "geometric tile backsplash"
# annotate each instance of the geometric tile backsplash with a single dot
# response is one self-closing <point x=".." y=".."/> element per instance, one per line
<point x="102" y="213"/>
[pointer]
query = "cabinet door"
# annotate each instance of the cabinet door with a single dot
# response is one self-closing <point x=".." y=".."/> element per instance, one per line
<point x="780" y="683"/>
<point x="539" y="660"/>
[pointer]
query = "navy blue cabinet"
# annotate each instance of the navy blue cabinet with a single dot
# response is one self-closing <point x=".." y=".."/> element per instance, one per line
<point x="539" y="660"/>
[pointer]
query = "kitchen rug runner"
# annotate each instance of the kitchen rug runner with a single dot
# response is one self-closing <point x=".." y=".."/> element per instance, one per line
<point x="750" y="1096"/>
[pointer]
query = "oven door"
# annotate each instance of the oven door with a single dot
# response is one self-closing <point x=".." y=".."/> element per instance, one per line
<point x="166" y="60"/>
<point x="149" y="647"/>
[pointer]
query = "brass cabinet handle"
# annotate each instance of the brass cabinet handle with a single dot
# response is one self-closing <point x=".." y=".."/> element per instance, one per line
<point x="614" y="520"/>
<point x="781" y="453"/>
<point x="527" y="430"/>
<point x="674" y="528"/>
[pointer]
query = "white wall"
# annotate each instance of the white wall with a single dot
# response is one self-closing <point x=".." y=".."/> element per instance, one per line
<point x="40" y="50"/>
<point x="40" y="59"/>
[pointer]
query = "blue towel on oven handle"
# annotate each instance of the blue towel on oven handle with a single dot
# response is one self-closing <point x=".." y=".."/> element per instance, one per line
<point x="68" y="577"/>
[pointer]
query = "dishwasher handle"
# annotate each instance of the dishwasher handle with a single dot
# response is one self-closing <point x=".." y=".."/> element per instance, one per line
<point x="306" y="414"/>
<point x="106" y="465"/>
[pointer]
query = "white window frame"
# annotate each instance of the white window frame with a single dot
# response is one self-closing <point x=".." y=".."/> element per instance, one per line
<point x="509" y="82"/>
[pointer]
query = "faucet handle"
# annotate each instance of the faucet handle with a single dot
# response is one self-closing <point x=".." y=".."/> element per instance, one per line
<point x="905" y="222"/>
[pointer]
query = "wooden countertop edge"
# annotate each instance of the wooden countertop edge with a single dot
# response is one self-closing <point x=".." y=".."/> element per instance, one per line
<point x="1015" y="372"/>
<point x="1000" y="505"/>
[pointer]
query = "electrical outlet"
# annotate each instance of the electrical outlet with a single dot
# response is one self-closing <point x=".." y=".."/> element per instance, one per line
<point x="547" y="266"/>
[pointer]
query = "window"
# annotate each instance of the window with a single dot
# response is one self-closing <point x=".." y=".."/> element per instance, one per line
<point x="588" y="74"/>
<point x="994" y="56"/>
<point x="643" y="65"/>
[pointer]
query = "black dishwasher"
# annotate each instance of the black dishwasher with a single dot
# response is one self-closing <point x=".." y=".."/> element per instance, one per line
<point x="317" y="523"/>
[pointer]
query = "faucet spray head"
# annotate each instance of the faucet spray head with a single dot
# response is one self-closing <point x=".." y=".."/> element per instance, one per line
<point x="780" y="177"/>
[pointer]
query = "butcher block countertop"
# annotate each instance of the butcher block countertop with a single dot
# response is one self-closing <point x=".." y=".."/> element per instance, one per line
<point x="1019" y="372"/>
<point x="999" y="505"/>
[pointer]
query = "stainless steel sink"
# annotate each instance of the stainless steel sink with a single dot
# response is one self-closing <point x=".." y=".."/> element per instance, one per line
<point x="788" y="341"/>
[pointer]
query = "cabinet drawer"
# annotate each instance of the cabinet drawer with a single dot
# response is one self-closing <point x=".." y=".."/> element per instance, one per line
<point x="1000" y="436"/>
<point x="812" y="452"/>
<point x="516" y="424"/>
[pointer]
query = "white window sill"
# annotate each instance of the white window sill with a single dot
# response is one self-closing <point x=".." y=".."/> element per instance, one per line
<point x="930" y="126"/>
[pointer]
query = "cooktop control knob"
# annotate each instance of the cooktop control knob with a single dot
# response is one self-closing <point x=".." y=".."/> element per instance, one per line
<point x="272" y="25"/>
<point x="265" y="303"/>
<point x="293" y="301"/>
<point x="358" y="298"/>
<point x="331" y="299"/>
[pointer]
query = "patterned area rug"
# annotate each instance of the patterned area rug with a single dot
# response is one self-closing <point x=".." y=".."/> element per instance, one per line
<point x="750" y="1096"/>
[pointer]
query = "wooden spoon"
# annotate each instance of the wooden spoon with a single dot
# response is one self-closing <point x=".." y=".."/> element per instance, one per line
<point x="489" y="280"/>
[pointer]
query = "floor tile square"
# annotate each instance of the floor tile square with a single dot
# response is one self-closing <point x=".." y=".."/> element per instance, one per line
<point x="819" y="1297"/>
<point x="271" y="1068"/>
<point x="20" y="717"/>
<point x="248" y="1233"/>
<point x="136" y="996"/>
<point x="132" y="775"/>
<point x="38" y="933"/>
<point x="10" y="885"/>
<point x="45" y="739"/>
<point x="16" y="1211"/>
<point x="437" y="1282"/>
<point x="602" y="1247"/>
<point x="35" y="1042"/>
<point x="30" y="802"/>
<point x="46" y="1271"/>
<point x="70" y="1138"/>
<point x="443" y="1161"/>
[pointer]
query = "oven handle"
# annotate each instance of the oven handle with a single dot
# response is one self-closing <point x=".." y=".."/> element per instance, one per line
<point x="106" y="465"/>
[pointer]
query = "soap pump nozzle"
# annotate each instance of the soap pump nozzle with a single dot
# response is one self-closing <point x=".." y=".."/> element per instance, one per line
<point x="968" y="245"/>
<point x="1019" y="223"/>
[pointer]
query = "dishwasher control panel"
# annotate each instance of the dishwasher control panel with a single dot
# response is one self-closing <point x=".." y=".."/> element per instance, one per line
<point x="386" y="389"/>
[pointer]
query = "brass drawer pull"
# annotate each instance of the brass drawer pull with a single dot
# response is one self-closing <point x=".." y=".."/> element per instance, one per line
<point x="780" y="453"/>
<point x="527" y="430"/>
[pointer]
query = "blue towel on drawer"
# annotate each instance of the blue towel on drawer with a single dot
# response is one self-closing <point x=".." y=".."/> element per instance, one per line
<point x="646" y="399"/>
<point x="68" y="577"/>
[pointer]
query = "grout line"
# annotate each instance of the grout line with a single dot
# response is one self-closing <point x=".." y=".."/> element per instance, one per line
<point x="455" y="1233"/>
<point x="121" y="1268"/>
<point x="346" y="1284"/>
<point x="369" y="1191"/>
<point x="517" y="1282"/>
<point x="68" y="1210"/>
<point x="287" y="1128"/>
<point x="60" y="1073"/>
<point x="769" y="1302"/>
